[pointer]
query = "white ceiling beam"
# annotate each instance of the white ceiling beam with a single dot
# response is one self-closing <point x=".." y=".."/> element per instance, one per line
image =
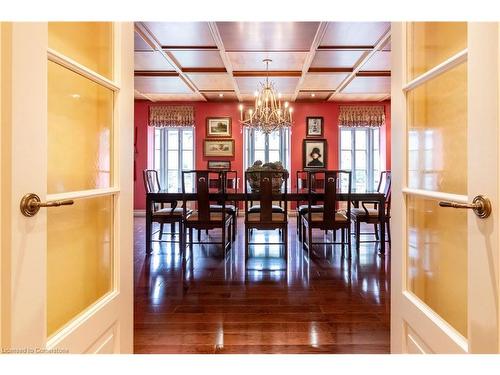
<point x="320" y="33"/>
<point x="367" y="56"/>
<point x="150" y="39"/>
<point x="143" y="96"/>
<point x="214" y="30"/>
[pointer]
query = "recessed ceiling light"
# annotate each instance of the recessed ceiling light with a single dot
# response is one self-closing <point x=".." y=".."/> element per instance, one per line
<point x="75" y="96"/>
<point x="313" y="95"/>
<point x="221" y="95"/>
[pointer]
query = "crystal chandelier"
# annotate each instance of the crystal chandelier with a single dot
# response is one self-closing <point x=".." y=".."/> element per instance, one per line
<point x="268" y="113"/>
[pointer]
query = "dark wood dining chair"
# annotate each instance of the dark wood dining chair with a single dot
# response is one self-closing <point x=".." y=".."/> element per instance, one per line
<point x="370" y="215"/>
<point x="330" y="218"/>
<point x="203" y="217"/>
<point x="302" y="180"/>
<point x="161" y="214"/>
<point x="231" y="182"/>
<point x="265" y="215"/>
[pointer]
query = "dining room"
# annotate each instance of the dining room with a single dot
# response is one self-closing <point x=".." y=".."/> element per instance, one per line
<point x="262" y="187"/>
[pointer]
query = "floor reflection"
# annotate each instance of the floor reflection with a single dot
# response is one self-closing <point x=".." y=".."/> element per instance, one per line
<point x="213" y="304"/>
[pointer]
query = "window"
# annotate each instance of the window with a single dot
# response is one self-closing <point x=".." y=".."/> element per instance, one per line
<point x="173" y="153"/>
<point x="360" y="153"/>
<point x="267" y="147"/>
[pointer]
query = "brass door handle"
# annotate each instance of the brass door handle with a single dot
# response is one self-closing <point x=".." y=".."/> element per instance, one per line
<point x="31" y="204"/>
<point x="481" y="206"/>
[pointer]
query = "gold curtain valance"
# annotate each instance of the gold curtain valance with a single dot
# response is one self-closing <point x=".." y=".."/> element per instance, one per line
<point x="161" y="116"/>
<point x="372" y="116"/>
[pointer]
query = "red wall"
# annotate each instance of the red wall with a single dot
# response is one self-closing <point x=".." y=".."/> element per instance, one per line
<point x="329" y="111"/>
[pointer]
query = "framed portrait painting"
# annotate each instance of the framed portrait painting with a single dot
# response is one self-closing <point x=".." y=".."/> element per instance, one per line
<point x="218" y="147"/>
<point x="218" y="127"/>
<point x="314" y="127"/>
<point x="314" y="152"/>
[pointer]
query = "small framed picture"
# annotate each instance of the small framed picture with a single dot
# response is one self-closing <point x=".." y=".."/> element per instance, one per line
<point x="218" y="127"/>
<point x="314" y="127"/>
<point x="218" y="147"/>
<point x="223" y="165"/>
<point x="314" y="152"/>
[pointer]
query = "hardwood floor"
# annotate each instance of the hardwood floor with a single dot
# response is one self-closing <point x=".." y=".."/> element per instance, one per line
<point x="323" y="305"/>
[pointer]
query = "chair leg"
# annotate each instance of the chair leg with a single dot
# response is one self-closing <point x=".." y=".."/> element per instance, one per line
<point x="199" y="235"/>
<point x="309" y="240"/>
<point x="334" y="235"/>
<point x="358" y="235"/>
<point x="349" y="239"/>
<point x="375" y="229"/>
<point x="388" y="231"/>
<point x="172" y="229"/>
<point x="235" y="225"/>
<point x="246" y="245"/>
<point x="285" y="242"/>
<point x="303" y="236"/>
<point x="191" y="240"/>
<point x="224" y="237"/>
<point x="342" y="234"/>
<point x="182" y="243"/>
<point x="161" y="230"/>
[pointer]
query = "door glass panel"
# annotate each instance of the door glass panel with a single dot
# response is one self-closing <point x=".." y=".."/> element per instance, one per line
<point x="88" y="43"/>
<point x="431" y="43"/>
<point x="437" y="259"/>
<point x="79" y="258"/>
<point x="437" y="133"/>
<point x="80" y="118"/>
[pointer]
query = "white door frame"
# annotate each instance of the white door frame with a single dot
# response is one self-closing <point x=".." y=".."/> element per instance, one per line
<point x="431" y="333"/>
<point x="24" y="239"/>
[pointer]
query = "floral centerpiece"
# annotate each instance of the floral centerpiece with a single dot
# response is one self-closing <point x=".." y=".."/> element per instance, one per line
<point x="254" y="178"/>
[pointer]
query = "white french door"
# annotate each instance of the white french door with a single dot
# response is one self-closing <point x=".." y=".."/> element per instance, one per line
<point x="67" y="136"/>
<point x="445" y="260"/>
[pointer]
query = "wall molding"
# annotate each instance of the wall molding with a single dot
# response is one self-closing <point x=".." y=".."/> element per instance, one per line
<point x="139" y="213"/>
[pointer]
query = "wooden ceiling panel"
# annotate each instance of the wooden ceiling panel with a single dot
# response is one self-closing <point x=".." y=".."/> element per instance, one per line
<point x="341" y="97"/>
<point x="369" y="85"/>
<point x="174" y="97"/>
<point x="285" y="85"/>
<point x="380" y="61"/>
<point x="226" y="96"/>
<point x="322" y="81"/>
<point x="181" y="34"/>
<point x="267" y="36"/>
<point x="140" y="44"/>
<point x="212" y="81"/>
<point x="161" y="85"/>
<point x="309" y="96"/>
<point x="354" y="33"/>
<point x="252" y="61"/>
<point x="153" y="60"/>
<point x="250" y="98"/>
<point x="198" y="58"/>
<point x="336" y="59"/>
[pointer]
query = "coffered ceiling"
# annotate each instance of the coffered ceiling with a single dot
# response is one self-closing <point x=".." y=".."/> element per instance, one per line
<point x="222" y="61"/>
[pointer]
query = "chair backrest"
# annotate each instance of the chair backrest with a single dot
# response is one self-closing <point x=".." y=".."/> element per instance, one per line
<point x="302" y="180"/>
<point x="265" y="181"/>
<point x="151" y="180"/>
<point x="329" y="183"/>
<point x="232" y="182"/>
<point x="201" y="186"/>
<point x="385" y="178"/>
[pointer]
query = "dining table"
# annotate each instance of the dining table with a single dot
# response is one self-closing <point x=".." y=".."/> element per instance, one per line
<point x="164" y="196"/>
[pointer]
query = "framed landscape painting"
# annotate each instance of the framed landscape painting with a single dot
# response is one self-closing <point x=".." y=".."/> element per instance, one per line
<point x="314" y="153"/>
<point x="224" y="165"/>
<point x="218" y="127"/>
<point x="314" y="127"/>
<point x="218" y="147"/>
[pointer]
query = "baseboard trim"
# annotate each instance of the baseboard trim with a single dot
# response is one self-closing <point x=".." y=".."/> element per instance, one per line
<point x="139" y="213"/>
